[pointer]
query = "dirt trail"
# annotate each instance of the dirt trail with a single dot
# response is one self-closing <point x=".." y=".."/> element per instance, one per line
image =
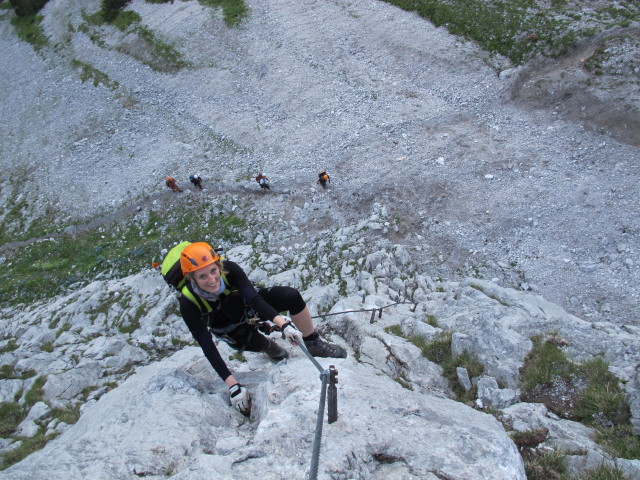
<point x="604" y="103"/>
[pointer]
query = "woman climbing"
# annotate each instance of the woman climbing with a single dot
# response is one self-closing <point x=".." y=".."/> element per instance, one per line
<point x="219" y="299"/>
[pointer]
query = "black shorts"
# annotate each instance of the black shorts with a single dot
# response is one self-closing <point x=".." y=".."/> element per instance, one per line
<point x="248" y="337"/>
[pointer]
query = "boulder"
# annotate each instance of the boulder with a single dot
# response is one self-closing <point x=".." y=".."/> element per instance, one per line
<point x="61" y="389"/>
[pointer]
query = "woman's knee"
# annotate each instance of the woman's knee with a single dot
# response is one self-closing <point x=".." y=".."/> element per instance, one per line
<point x="295" y="301"/>
<point x="284" y="298"/>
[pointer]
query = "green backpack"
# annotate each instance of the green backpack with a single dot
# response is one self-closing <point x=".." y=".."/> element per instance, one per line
<point x="171" y="270"/>
<point x="170" y="267"/>
<point x="172" y="274"/>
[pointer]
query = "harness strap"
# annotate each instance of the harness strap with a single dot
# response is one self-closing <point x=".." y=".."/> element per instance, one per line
<point x="202" y="304"/>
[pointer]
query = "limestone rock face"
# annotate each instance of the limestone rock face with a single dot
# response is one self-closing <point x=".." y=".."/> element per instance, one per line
<point x="171" y="418"/>
<point x="151" y="405"/>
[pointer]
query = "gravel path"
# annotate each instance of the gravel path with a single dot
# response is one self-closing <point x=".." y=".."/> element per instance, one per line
<point x="398" y="111"/>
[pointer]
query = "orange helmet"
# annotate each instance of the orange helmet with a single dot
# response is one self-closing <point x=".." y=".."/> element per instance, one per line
<point x="197" y="255"/>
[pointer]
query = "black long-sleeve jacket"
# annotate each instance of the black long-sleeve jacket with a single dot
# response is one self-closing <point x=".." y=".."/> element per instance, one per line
<point x="226" y="311"/>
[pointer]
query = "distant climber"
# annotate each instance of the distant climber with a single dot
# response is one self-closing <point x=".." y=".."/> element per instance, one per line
<point x="324" y="178"/>
<point x="219" y="299"/>
<point x="263" y="181"/>
<point x="172" y="184"/>
<point x="196" y="180"/>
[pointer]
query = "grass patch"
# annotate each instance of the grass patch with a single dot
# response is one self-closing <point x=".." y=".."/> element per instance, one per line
<point x="587" y="393"/>
<point x="19" y="221"/>
<point x="602" y="401"/>
<point x="545" y="362"/>
<point x="26" y="448"/>
<point x="126" y="19"/>
<point x="160" y="55"/>
<point x="35" y="393"/>
<point x="619" y="441"/>
<point x="238" y="355"/>
<point x="403" y="382"/>
<point x="438" y="351"/>
<point x="394" y="330"/>
<point x="87" y="72"/>
<point x="606" y="472"/>
<point x="130" y="327"/>
<point x="65" y="328"/>
<point x="545" y="466"/>
<point x="233" y="11"/>
<point x="178" y="343"/>
<point x="119" y="248"/>
<point x="521" y="29"/>
<point x="11" y="414"/>
<point x="10" y="346"/>
<point x="166" y="56"/>
<point x="29" y="29"/>
<point x="7" y="372"/>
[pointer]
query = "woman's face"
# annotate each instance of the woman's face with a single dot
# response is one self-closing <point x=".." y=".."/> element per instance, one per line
<point x="208" y="278"/>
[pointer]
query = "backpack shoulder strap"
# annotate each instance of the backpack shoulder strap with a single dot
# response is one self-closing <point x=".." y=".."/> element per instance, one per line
<point x="228" y="288"/>
<point x="201" y="303"/>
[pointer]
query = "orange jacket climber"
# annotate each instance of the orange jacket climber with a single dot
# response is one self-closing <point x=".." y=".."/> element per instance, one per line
<point x="324" y="178"/>
<point x="172" y="184"/>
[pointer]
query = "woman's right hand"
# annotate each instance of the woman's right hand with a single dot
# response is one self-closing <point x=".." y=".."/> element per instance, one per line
<point x="240" y="399"/>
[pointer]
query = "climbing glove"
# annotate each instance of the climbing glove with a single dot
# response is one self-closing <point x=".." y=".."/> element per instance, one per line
<point x="290" y="332"/>
<point x="240" y="398"/>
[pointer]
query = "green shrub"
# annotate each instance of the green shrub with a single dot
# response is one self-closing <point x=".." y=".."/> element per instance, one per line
<point x="110" y="9"/>
<point x="29" y="29"/>
<point x="233" y="10"/>
<point x="8" y="372"/>
<point x="35" y="393"/>
<point x="11" y="345"/>
<point x="11" y="414"/>
<point x="27" y="7"/>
